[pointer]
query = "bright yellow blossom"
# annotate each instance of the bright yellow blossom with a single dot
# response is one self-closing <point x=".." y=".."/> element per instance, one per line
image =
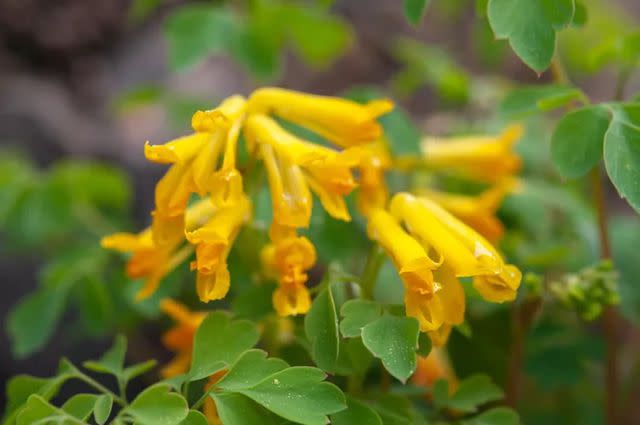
<point x="295" y="167"/>
<point x="372" y="189"/>
<point x="343" y="122"/>
<point x="289" y="257"/>
<point x="213" y="241"/>
<point x="479" y="212"/>
<point x="195" y="158"/>
<point x="464" y="251"/>
<point x="179" y="338"/>
<point x="483" y="158"/>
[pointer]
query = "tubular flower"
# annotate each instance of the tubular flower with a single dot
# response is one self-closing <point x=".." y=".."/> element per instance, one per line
<point x="432" y="368"/>
<point x="479" y="157"/>
<point x="464" y="251"/>
<point x="195" y="158"/>
<point x="213" y="241"/>
<point x="153" y="258"/>
<point x="289" y="257"/>
<point x="179" y="338"/>
<point x="372" y="190"/>
<point x="149" y="260"/>
<point x="343" y="122"/>
<point x="296" y="167"/>
<point x="476" y="211"/>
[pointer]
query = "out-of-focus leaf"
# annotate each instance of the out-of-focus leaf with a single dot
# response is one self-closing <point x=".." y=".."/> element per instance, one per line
<point x="576" y="145"/>
<point x="495" y="416"/>
<point x="622" y="152"/>
<point x="625" y="238"/>
<point x="530" y="26"/>
<point x="357" y="413"/>
<point x="102" y="408"/>
<point x="138" y="97"/>
<point x="414" y="10"/>
<point x="16" y="176"/>
<point x="623" y="50"/>
<point x="474" y="392"/>
<point x="112" y="361"/>
<point x="317" y="36"/>
<point x="80" y="406"/>
<point x="197" y="31"/>
<point x="140" y="9"/>
<point x="321" y="328"/>
<point x="528" y="100"/>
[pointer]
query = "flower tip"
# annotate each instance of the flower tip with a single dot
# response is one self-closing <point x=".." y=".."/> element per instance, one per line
<point x="513" y="133"/>
<point x="208" y="121"/>
<point x="160" y="154"/>
<point x="379" y="107"/>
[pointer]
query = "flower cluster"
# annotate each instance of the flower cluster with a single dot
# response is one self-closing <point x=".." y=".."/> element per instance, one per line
<point x="204" y="165"/>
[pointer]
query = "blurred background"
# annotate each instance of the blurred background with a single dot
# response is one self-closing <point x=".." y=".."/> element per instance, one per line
<point x="83" y="84"/>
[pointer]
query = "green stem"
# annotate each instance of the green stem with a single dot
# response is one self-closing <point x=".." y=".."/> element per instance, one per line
<point x="201" y="400"/>
<point x="371" y="270"/>
<point x="98" y="386"/>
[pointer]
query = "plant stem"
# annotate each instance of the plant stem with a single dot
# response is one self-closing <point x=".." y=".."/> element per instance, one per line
<point x="610" y="316"/>
<point x="371" y="270"/>
<point x="98" y="386"/>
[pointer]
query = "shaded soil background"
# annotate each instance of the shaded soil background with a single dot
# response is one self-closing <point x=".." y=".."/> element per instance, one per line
<point x="64" y="63"/>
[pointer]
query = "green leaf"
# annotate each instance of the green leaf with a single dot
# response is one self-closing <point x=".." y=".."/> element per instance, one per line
<point x="158" y="406"/>
<point x="321" y="327"/>
<point x="95" y="305"/>
<point x="112" y="361"/>
<point x="495" y="416"/>
<point x="559" y="12"/>
<point x="237" y="409"/>
<point x="356" y="315"/>
<point x="530" y="26"/>
<point x="251" y="368"/>
<point x="18" y="390"/>
<point x="257" y="45"/>
<point x="529" y="100"/>
<point x="622" y="153"/>
<point x="473" y="392"/>
<point x="357" y="413"/>
<point x="197" y="31"/>
<point x="34" y="410"/>
<point x="625" y="238"/>
<point x="414" y="10"/>
<point x="102" y="408"/>
<point x="218" y="342"/>
<point x="140" y="9"/>
<point x="576" y="144"/>
<point x="440" y="393"/>
<point x="424" y="344"/>
<point x="16" y="176"/>
<point x="298" y="394"/>
<point x="34" y="319"/>
<point x="138" y="369"/>
<point x="318" y="37"/>
<point x="195" y="418"/>
<point x="80" y="405"/>
<point x="580" y="15"/>
<point x="394" y="340"/>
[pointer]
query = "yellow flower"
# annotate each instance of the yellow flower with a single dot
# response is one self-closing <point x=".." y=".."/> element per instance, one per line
<point x="478" y="157"/>
<point x="476" y="211"/>
<point x="179" y="338"/>
<point x="295" y="167"/>
<point x="372" y="189"/>
<point x="432" y="368"/>
<point x="194" y="159"/>
<point x="289" y="257"/>
<point x="343" y="122"/>
<point x="213" y="241"/>
<point x="149" y="260"/>
<point x="154" y="257"/>
<point x="464" y="251"/>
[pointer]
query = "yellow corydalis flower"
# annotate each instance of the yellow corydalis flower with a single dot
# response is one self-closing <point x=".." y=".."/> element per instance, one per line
<point x="433" y="294"/>
<point x="195" y="159"/>
<point x="213" y="240"/>
<point x="464" y="250"/>
<point x="288" y="258"/>
<point x="343" y="122"/>
<point x="296" y="167"/>
<point x="372" y="189"/>
<point x="479" y="157"/>
<point x="149" y="260"/>
<point x="479" y="211"/>
<point x="179" y="338"/>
